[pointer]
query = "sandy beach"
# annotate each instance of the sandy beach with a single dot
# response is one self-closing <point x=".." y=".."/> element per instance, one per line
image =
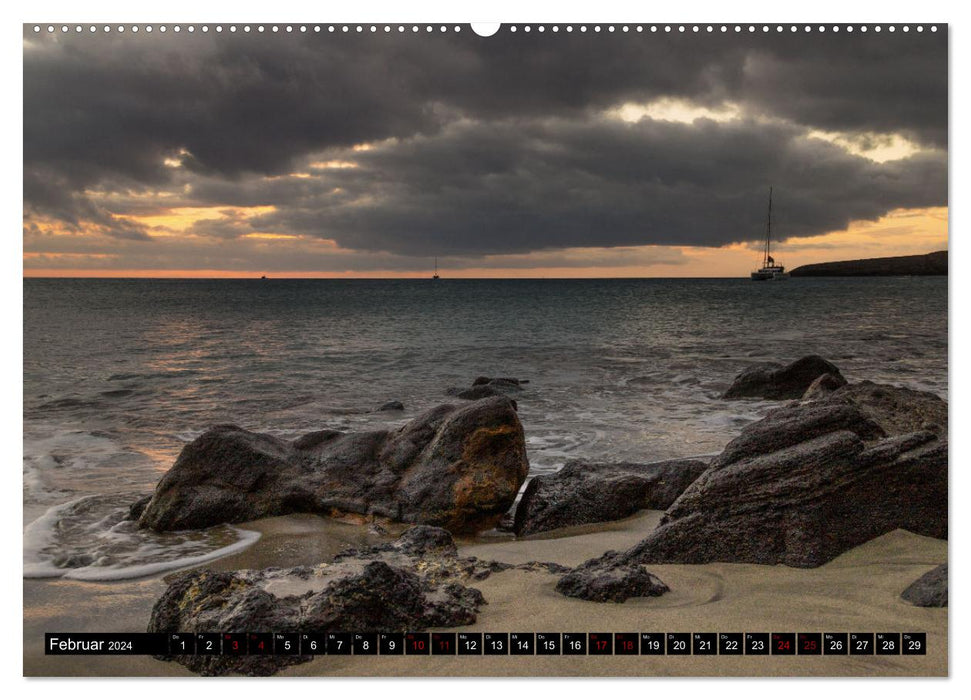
<point x="858" y="591"/>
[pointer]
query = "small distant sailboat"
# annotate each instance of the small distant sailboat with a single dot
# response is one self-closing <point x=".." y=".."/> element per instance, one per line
<point x="435" y="276"/>
<point x="769" y="270"/>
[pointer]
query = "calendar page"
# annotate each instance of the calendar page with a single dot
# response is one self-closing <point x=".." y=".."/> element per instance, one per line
<point x="449" y="349"/>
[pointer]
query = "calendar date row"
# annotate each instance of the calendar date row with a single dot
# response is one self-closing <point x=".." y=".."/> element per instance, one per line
<point x="492" y="643"/>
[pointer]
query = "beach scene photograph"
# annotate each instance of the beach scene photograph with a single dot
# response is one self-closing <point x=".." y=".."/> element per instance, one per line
<point x="525" y="350"/>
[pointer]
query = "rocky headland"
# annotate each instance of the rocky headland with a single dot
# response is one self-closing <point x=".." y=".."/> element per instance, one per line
<point x="929" y="264"/>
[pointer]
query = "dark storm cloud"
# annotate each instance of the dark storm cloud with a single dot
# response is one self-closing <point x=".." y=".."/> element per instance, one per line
<point x="488" y="188"/>
<point x="486" y="145"/>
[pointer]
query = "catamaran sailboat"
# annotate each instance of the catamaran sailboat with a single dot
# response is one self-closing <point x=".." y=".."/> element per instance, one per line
<point x="769" y="270"/>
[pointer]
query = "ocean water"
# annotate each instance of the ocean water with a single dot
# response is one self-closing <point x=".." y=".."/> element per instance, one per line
<point x="119" y="374"/>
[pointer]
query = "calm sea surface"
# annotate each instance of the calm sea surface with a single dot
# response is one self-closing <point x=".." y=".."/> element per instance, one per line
<point x="119" y="374"/>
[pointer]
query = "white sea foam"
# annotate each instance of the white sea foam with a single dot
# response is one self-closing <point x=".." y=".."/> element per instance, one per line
<point x="89" y="539"/>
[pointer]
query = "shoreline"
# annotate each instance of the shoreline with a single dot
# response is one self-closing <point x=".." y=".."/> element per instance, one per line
<point x="707" y="597"/>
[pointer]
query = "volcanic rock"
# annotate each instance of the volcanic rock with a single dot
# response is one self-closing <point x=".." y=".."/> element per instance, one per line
<point x="613" y="584"/>
<point x="809" y="482"/>
<point x="590" y="492"/>
<point x="823" y="385"/>
<point x="770" y="380"/>
<point x="408" y="585"/>
<point x="459" y="468"/>
<point x="930" y="590"/>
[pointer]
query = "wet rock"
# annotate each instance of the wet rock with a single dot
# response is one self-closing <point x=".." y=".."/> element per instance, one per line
<point x="475" y="393"/>
<point x="416" y="582"/>
<point x="805" y="484"/>
<point x="483" y="387"/>
<point x="615" y="584"/>
<point x="771" y="380"/>
<point x="136" y="509"/>
<point x="591" y="492"/>
<point x="392" y="406"/>
<point x="823" y="385"/>
<point x="930" y="590"/>
<point x="459" y="468"/>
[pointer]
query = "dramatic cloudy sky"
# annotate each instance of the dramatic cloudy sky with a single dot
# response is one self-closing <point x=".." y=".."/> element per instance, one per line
<point x="588" y="154"/>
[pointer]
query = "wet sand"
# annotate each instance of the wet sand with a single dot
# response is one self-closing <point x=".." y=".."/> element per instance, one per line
<point x="857" y="592"/>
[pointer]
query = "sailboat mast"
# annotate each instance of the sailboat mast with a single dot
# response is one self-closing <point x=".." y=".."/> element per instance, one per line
<point x="768" y="230"/>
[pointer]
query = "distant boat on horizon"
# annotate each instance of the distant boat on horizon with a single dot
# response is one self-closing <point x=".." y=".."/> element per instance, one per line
<point x="769" y="271"/>
<point x="435" y="276"/>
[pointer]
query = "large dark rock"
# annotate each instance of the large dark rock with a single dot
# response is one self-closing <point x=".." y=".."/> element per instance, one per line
<point x="408" y="585"/>
<point x="807" y="483"/>
<point x="930" y="590"/>
<point x="459" y="468"/>
<point x="771" y="380"/>
<point x="591" y="492"/>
